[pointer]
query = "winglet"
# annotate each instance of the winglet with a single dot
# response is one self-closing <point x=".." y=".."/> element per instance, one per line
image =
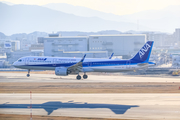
<point x="111" y="56"/>
<point x="83" y="58"/>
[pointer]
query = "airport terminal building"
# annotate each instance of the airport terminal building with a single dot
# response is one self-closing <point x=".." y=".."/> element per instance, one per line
<point x="58" y="46"/>
<point x="121" y="45"/>
<point x="95" y="46"/>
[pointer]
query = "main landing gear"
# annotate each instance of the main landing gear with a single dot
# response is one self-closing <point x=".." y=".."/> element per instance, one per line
<point x="78" y="77"/>
<point x="28" y="73"/>
<point x="84" y="76"/>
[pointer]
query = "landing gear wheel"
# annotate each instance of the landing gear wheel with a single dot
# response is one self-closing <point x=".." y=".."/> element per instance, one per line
<point x="85" y="76"/>
<point x="78" y="77"/>
<point x="28" y="75"/>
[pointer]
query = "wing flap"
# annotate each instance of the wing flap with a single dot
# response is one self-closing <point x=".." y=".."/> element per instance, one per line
<point x="78" y="66"/>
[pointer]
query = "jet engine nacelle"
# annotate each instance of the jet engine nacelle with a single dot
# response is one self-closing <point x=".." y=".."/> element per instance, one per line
<point x="61" y="71"/>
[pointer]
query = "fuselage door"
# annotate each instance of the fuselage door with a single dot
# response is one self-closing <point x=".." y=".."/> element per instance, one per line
<point x="128" y="64"/>
<point x="54" y="62"/>
<point x="89" y="63"/>
<point x="26" y="61"/>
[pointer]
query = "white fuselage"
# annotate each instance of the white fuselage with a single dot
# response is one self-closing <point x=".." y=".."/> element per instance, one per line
<point x="89" y="64"/>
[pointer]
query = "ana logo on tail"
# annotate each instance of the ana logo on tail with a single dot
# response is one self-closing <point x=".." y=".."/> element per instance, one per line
<point x="144" y="49"/>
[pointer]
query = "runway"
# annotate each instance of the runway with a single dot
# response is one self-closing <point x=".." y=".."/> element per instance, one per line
<point x="21" y="77"/>
<point x="99" y="96"/>
<point x="122" y="106"/>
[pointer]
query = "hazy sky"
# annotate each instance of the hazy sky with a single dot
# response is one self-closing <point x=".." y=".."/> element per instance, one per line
<point x="119" y="7"/>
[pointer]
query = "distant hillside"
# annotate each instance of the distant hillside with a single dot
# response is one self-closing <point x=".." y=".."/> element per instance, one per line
<point x="83" y="11"/>
<point x="29" y="18"/>
<point x="2" y="36"/>
<point x="8" y="3"/>
<point x="34" y="35"/>
<point x="76" y="33"/>
<point x="165" y="20"/>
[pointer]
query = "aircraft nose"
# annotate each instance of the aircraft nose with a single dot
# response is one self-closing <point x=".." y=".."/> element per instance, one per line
<point x="14" y="64"/>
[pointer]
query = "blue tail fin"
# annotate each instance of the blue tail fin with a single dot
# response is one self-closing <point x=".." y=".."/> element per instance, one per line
<point x="144" y="52"/>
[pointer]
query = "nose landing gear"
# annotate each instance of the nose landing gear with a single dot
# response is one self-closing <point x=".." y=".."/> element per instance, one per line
<point x="28" y="73"/>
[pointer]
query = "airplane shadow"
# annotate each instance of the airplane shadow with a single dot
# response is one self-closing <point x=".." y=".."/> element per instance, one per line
<point x="50" y="106"/>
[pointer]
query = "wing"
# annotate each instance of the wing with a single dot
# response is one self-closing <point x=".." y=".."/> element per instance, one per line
<point x="76" y="68"/>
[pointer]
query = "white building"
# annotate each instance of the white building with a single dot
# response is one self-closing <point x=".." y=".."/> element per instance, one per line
<point x="15" y="45"/>
<point x="176" y="60"/>
<point x="176" y="35"/>
<point x="52" y="46"/>
<point x="162" y="39"/>
<point x="158" y="38"/>
<point x="89" y="54"/>
<point x="100" y="46"/>
<point x="25" y="44"/>
<point x="121" y="45"/>
<point x="55" y="44"/>
<point x="69" y="46"/>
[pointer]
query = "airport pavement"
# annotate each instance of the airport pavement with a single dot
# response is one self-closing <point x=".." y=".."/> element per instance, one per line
<point x="21" y="77"/>
<point x="123" y="106"/>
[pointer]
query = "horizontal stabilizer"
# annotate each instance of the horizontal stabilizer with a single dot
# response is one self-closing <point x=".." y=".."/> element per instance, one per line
<point x="143" y="64"/>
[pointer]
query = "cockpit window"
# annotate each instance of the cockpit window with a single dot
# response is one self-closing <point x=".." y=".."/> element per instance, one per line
<point x="20" y="60"/>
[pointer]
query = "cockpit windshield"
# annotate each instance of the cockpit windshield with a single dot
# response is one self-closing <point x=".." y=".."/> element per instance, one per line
<point x="19" y="60"/>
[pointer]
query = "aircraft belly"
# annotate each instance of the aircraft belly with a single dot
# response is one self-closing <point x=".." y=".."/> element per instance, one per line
<point x="109" y="69"/>
<point x="37" y="67"/>
<point x="122" y="68"/>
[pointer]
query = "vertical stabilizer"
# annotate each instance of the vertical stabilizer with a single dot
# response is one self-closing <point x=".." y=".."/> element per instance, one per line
<point x="144" y="52"/>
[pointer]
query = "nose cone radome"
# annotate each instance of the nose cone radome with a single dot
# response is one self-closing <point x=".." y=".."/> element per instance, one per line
<point x="15" y="64"/>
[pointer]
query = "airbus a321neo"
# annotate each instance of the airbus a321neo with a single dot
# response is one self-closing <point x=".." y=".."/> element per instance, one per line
<point x="64" y="66"/>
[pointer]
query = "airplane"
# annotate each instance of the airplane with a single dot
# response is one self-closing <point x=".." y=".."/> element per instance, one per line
<point x="64" y="66"/>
